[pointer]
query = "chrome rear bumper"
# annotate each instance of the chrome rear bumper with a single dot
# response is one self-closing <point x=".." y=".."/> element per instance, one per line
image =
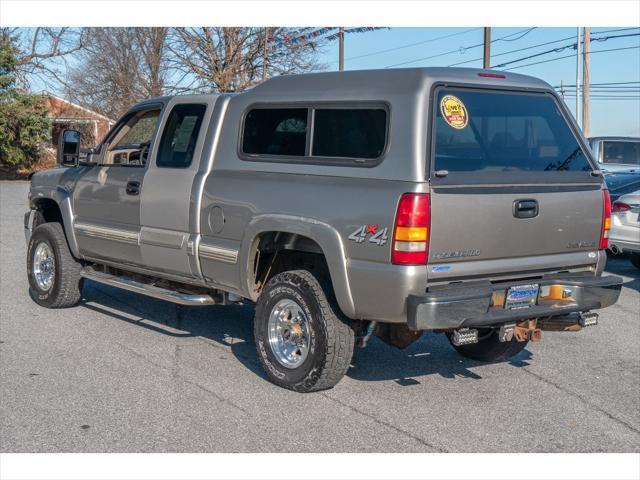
<point x="481" y="304"/>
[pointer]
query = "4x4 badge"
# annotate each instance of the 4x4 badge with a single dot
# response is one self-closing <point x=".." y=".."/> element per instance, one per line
<point x="379" y="237"/>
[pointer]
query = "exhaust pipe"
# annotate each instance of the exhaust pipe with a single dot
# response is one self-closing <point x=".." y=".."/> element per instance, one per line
<point x="614" y="249"/>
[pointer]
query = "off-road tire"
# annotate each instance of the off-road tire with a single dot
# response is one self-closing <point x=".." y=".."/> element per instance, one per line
<point x="489" y="348"/>
<point x="331" y="336"/>
<point x="67" y="282"/>
<point x="635" y="259"/>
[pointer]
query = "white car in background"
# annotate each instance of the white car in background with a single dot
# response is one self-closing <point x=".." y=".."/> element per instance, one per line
<point x="624" y="236"/>
<point x="616" y="154"/>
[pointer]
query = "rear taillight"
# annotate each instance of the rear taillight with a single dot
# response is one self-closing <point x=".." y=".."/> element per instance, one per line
<point x="411" y="230"/>
<point x="619" y="206"/>
<point x="606" y="220"/>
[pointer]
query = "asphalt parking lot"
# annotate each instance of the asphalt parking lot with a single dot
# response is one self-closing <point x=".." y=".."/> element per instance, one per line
<point x="126" y="373"/>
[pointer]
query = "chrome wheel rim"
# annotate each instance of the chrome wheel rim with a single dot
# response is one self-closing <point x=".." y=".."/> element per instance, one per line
<point x="44" y="266"/>
<point x="289" y="333"/>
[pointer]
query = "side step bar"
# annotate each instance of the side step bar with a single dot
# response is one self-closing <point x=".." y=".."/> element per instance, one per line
<point x="132" y="285"/>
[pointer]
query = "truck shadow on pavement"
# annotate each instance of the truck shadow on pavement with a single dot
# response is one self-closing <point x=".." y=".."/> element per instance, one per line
<point x="232" y="327"/>
<point x="431" y="355"/>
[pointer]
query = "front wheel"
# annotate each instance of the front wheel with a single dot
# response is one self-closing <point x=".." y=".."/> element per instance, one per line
<point x="304" y="342"/>
<point x="54" y="275"/>
<point x="489" y="347"/>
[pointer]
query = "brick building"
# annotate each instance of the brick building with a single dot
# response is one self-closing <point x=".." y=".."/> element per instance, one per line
<point x="65" y="114"/>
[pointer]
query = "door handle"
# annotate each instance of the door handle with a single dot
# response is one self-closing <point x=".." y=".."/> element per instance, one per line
<point x="526" y="208"/>
<point x="133" y="188"/>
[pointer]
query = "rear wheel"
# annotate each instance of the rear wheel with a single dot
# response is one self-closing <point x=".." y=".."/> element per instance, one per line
<point x="54" y="275"/>
<point x="304" y="342"/>
<point x="489" y="347"/>
<point x="635" y="259"/>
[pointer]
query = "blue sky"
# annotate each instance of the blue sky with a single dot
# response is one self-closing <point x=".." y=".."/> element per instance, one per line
<point x="608" y="117"/>
<point x="406" y="45"/>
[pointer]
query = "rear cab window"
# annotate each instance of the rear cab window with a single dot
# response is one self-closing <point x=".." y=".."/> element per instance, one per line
<point x="621" y="152"/>
<point x="491" y="133"/>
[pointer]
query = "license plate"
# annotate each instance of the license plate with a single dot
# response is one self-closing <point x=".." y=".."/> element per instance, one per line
<point x="522" y="296"/>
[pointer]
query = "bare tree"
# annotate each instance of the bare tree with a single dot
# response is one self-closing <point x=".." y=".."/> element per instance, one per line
<point x="43" y="52"/>
<point x="119" y="67"/>
<point x="152" y="44"/>
<point x="231" y="59"/>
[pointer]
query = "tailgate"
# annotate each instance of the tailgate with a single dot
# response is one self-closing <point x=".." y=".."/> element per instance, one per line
<point x="488" y="223"/>
<point x="510" y="180"/>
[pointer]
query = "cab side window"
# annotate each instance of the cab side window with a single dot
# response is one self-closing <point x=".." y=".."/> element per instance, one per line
<point x="131" y="141"/>
<point x="275" y="131"/>
<point x="180" y="136"/>
<point x="344" y="134"/>
<point x="349" y="132"/>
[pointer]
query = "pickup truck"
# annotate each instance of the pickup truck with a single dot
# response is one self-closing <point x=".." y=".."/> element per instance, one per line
<point x="343" y="205"/>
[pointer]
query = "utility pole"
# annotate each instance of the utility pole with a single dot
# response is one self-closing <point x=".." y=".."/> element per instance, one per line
<point x="341" y="50"/>
<point x="265" y="54"/>
<point x="586" y="59"/>
<point x="486" y="62"/>
<point x="578" y="75"/>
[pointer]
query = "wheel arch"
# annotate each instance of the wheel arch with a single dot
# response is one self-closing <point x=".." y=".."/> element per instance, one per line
<point x="55" y="206"/>
<point x="309" y="232"/>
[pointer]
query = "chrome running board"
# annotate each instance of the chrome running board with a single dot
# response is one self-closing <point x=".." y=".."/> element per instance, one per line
<point x="127" y="283"/>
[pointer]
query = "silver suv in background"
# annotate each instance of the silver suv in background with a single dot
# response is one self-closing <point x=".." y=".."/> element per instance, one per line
<point x="343" y="205"/>
<point x="617" y="154"/>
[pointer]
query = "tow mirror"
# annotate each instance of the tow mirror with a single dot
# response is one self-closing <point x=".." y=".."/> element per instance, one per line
<point x="69" y="148"/>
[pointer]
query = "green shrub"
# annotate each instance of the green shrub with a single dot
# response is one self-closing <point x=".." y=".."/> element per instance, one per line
<point x="24" y="125"/>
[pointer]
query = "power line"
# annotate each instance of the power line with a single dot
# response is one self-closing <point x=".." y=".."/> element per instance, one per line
<point x="505" y="39"/>
<point x="608" y="92"/>
<point x="615" y="30"/>
<point x="461" y="49"/>
<point x="598" y="84"/>
<point x="605" y="90"/>
<point x="571" y="56"/>
<point x="541" y="45"/>
<point x="516" y="50"/>
<point x="564" y="47"/>
<point x="594" y="97"/>
<point x="400" y="47"/>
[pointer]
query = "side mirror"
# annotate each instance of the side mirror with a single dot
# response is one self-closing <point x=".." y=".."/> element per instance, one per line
<point x="69" y="148"/>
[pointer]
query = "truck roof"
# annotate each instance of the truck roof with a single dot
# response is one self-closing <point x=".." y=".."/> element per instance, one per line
<point x="381" y="81"/>
<point x="391" y="80"/>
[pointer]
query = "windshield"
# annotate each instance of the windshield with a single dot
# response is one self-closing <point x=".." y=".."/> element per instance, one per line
<point x="503" y="131"/>
<point x="617" y="151"/>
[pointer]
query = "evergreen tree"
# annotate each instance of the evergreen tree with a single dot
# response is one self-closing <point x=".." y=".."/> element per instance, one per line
<point x="24" y="125"/>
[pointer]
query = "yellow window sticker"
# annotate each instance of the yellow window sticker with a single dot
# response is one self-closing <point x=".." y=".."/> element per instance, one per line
<point x="454" y="112"/>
